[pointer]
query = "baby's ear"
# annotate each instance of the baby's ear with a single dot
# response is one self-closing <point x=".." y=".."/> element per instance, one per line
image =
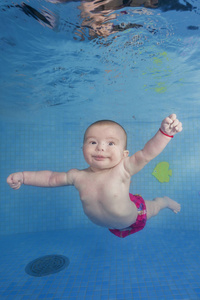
<point x="126" y="153"/>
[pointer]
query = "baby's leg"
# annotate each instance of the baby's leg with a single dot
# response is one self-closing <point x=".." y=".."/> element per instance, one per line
<point x="153" y="207"/>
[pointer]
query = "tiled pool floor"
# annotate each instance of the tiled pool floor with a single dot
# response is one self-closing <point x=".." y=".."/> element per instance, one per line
<point x="151" y="264"/>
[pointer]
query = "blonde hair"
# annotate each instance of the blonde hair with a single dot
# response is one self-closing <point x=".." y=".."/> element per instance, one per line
<point x="106" y="122"/>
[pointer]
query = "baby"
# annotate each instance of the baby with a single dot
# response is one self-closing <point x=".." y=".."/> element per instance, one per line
<point x="104" y="185"/>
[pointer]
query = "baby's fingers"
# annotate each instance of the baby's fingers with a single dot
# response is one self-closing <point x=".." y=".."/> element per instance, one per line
<point x="171" y="125"/>
<point x="10" y="179"/>
<point x="15" y="180"/>
<point x="15" y="185"/>
<point x="172" y="117"/>
<point x="174" y="124"/>
<point x="169" y="120"/>
<point x="179" y="127"/>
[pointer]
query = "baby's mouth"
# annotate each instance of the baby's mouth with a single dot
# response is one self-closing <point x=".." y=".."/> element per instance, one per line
<point x="99" y="157"/>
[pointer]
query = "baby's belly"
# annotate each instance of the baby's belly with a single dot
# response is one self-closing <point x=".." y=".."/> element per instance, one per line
<point x="112" y="218"/>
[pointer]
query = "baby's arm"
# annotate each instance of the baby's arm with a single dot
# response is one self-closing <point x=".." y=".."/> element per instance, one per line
<point x="41" y="178"/>
<point x="169" y="127"/>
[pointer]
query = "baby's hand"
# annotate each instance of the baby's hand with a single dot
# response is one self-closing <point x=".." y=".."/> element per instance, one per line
<point x="15" y="180"/>
<point x="171" y="125"/>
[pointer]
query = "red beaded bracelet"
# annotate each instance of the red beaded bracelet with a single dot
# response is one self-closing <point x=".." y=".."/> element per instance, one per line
<point x="171" y="136"/>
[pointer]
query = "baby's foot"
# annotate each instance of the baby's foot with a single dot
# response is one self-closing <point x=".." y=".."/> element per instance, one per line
<point x="171" y="204"/>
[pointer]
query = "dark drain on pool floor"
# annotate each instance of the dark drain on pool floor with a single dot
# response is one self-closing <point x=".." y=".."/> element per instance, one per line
<point x="47" y="265"/>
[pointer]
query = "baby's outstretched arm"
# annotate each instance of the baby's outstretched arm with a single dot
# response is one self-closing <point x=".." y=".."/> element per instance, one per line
<point x="169" y="127"/>
<point x="41" y="178"/>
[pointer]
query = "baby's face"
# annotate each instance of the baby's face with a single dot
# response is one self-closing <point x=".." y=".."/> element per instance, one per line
<point x="104" y="146"/>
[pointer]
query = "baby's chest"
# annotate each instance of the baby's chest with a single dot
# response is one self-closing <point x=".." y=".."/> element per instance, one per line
<point x="99" y="186"/>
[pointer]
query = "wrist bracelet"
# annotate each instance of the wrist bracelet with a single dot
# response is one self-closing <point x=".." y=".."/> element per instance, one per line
<point x="171" y="136"/>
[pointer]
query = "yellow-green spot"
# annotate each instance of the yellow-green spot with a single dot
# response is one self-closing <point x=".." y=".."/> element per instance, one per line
<point x="162" y="172"/>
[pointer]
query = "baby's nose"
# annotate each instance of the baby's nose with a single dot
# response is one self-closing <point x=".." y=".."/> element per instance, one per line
<point x="101" y="146"/>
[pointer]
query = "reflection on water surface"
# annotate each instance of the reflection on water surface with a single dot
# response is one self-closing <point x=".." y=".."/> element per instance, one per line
<point x="101" y="18"/>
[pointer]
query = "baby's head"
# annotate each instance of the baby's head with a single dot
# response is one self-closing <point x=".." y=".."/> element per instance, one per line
<point x="110" y="123"/>
<point x="105" y="143"/>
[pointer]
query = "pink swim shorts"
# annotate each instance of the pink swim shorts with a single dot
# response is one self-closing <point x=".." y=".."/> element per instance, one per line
<point x="141" y="218"/>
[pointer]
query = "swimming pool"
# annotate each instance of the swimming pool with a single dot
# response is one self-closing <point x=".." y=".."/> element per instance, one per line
<point x="60" y="71"/>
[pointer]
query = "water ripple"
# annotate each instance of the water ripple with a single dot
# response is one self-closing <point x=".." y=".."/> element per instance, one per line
<point x="61" y="55"/>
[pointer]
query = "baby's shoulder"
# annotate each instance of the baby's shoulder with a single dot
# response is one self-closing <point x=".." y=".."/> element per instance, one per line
<point x="76" y="173"/>
<point x="72" y="174"/>
<point x="79" y="177"/>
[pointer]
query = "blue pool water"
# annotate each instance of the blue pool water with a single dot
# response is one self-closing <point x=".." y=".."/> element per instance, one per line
<point x="60" y="71"/>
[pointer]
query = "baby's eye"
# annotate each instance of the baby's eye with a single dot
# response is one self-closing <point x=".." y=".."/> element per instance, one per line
<point x="93" y="142"/>
<point x="111" y="143"/>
